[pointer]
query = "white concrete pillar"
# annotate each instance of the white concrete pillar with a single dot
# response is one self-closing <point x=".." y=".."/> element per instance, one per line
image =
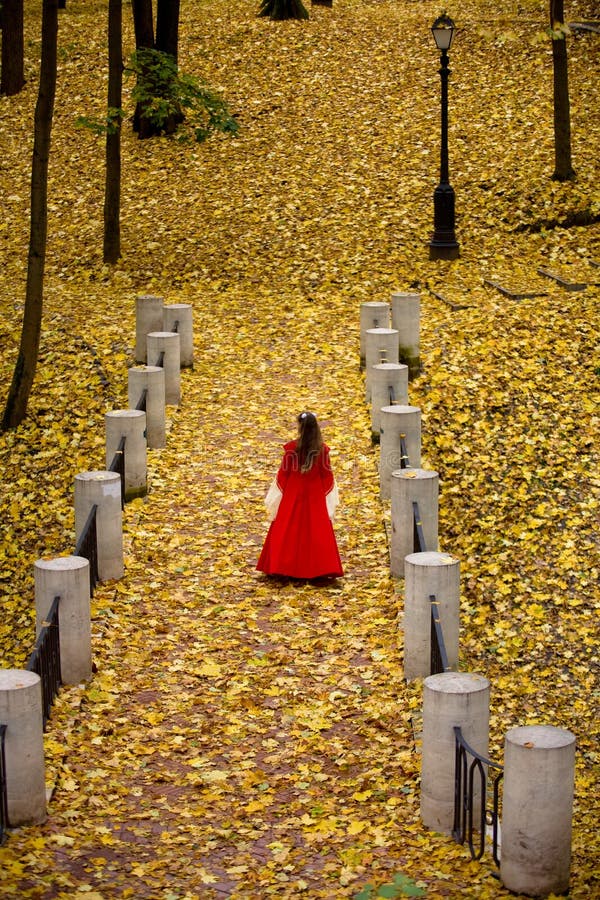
<point x="148" y="317"/>
<point x="395" y="422"/>
<point x="182" y="314"/>
<point x="130" y="424"/>
<point x="167" y="343"/>
<point x="449" y="699"/>
<point x="21" y="712"/>
<point x="104" y="490"/>
<point x="537" y="809"/>
<point x="67" y="577"/>
<point x="428" y="574"/>
<point x="152" y="380"/>
<point x="406" y="319"/>
<point x="373" y="314"/>
<point x="381" y="346"/>
<point x="386" y="376"/>
<point x="408" y="485"/>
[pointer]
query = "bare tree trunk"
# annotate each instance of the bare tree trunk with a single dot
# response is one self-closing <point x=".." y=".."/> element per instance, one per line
<point x="167" y="27"/>
<point x="563" y="169"/>
<point x="24" y="373"/>
<point x="13" y="78"/>
<point x="143" y="26"/>
<point x="112" y="188"/>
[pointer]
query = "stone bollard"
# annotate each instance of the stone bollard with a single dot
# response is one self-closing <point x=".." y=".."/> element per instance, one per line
<point x="426" y="574"/>
<point x="373" y="314"/>
<point x="407" y="486"/>
<point x="152" y="380"/>
<point x="181" y="313"/>
<point x="449" y="699"/>
<point x="130" y="424"/>
<point x="396" y="422"/>
<point x="381" y="346"/>
<point x="537" y="808"/>
<point x="167" y="343"/>
<point x="21" y="712"/>
<point x="69" y="578"/>
<point x="102" y="489"/>
<point x="148" y="317"/>
<point x="386" y="377"/>
<point x="406" y="319"/>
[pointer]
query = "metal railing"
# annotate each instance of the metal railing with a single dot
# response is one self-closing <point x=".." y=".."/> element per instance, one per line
<point x="439" y="657"/>
<point x="419" y="545"/>
<point x="117" y="465"/>
<point x="45" y="659"/>
<point x="87" y="546"/>
<point x="3" y="787"/>
<point x="141" y="404"/>
<point x="464" y="798"/>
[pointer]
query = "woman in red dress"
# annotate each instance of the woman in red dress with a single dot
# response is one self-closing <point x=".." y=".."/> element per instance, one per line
<point x="302" y="499"/>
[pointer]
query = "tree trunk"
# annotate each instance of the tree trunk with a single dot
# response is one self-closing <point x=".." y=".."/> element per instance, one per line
<point x="20" y="389"/>
<point x="167" y="27"/>
<point x="143" y="26"/>
<point x="563" y="169"/>
<point x="112" y="188"/>
<point x="13" y="77"/>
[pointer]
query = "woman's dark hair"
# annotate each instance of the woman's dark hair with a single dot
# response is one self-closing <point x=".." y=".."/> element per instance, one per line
<point x="310" y="440"/>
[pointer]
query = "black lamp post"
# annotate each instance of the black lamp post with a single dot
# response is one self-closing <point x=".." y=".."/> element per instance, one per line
<point x="443" y="244"/>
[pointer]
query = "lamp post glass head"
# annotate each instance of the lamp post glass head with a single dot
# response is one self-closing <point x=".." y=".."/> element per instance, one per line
<point x="443" y="31"/>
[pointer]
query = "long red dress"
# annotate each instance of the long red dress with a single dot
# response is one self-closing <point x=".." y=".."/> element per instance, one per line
<point x="300" y="542"/>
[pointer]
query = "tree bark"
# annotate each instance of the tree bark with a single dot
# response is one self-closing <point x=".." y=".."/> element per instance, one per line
<point x="167" y="27"/>
<point x="24" y="373"/>
<point x="13" y="78"/>
<point x="563" y="168"/>
<point x="112" y="187"/>
<point x="143" y="26"/>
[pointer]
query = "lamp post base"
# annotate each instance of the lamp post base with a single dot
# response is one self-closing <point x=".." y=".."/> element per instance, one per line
<point x="439" y="250"/>
<point x="443" y="244"/>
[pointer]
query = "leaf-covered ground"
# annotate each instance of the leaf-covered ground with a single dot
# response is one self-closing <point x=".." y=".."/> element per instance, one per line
<point x="245" y="739"/>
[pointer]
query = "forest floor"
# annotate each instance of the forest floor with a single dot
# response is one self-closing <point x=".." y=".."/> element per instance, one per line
<point x="242" y="738"/>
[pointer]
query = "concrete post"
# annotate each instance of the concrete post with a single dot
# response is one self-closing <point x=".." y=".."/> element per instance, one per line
<point x="381" y="346"/>
<point x="167" y="342"/>
<point x="426" y="574"/>
<point x="395" y="422"/>
<point x="537" y="808"/>
<point x="152" y="380"/>
<point x="69" y="578"/>
<point x="148" y="317"/>
<point x="408" y="485"/>
<point x="406" y="319"/>
<point x="182" y="314"/>
<point x="130" y="424"/>
<point x="449" y="699"/>
<point x="104" y="490"/>
<point x="21" y="712"/>
<point x="373" y="314"/>
<point x="383" y="377"/>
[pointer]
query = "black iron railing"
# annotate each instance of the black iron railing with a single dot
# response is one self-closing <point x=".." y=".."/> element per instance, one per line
<point x="87" y="546"/>
<point x="439" y="657"/>
<point x="45" y="659"/>
<point x="404" y="460"/>
<point x="141" y="404"/>
<point x="419" y="545"/>
<point x="467" y="820"/>
<point x="117" y="465"/>
<point x="3" y="787"/>
<point x="160" y="362"/>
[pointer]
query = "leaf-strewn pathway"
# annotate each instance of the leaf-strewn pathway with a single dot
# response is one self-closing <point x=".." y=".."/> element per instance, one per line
<point x="242" y="739"/>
